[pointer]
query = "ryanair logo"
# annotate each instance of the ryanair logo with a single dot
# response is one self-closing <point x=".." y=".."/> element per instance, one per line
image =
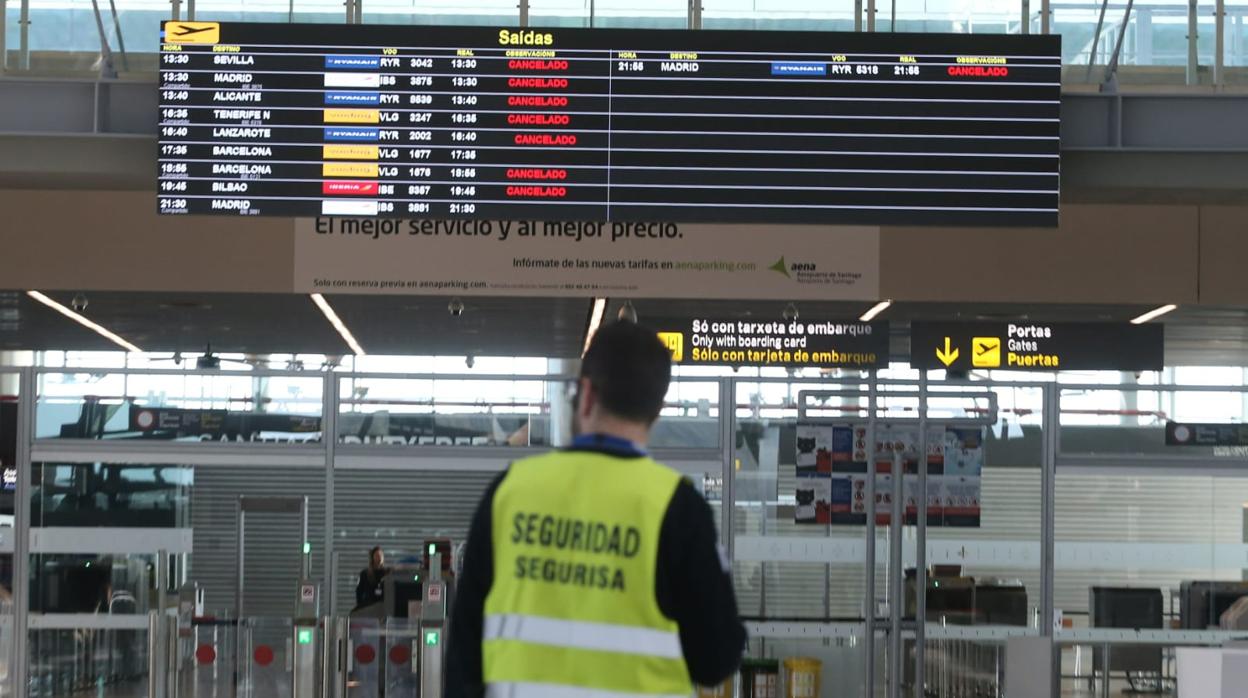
<point x="192" y="32"/>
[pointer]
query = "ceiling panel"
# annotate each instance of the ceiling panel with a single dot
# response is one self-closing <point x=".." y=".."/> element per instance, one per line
<point x="291" y="323"/>
<point x="397" y="325"/>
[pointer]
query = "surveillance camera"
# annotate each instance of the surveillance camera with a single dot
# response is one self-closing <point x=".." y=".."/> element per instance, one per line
<point x="177" y="358"/>
<point x="470" y="361"/>
<point x="790" y="312"/>
<point x="79" y="303"/>
<point x="455" y="307"/>
<point x="627" y="313"/>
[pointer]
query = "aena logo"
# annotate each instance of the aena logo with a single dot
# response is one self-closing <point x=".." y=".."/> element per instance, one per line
<point x="783" y="267"/>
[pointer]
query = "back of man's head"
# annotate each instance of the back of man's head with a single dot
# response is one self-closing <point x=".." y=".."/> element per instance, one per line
<point x="630" y="370"/>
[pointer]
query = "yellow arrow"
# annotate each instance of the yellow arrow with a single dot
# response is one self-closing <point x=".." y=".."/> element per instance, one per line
<point x="948" y="355"/>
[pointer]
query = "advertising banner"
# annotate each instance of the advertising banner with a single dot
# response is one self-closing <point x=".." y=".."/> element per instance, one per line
<point x="791" y="343"/>
<point x="832" y="472"/>
<point x="586" y="259"/>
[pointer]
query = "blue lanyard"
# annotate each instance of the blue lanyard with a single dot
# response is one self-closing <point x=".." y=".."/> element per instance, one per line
<point x="606" y="442"/>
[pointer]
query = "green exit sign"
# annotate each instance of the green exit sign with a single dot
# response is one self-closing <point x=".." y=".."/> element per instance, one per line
<point x="431" y="637"/>
<point x="305" y="636"/>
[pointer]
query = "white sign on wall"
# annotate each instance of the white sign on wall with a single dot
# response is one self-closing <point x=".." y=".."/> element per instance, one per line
<point x="637" y="260"/>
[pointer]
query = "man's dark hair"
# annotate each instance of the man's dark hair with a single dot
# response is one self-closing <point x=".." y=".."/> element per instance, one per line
<point x="630" y="368"/>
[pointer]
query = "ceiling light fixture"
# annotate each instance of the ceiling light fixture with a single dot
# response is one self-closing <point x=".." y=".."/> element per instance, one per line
<point x="336" y="321"/>
<point x="82" y="320"/>
<point x="874" y="311"/>
<point x="1154" y="314"/>
<point x="595" y="321"/>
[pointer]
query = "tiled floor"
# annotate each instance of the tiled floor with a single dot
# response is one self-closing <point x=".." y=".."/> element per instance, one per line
<point x="138" y="689"/>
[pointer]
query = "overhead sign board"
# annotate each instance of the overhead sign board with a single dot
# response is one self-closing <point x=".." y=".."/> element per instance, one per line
<point x="1185" y="434"/>
<point x="790" y="343"/>
<point x="551" y="258"/>
<point x="1027" y="346"/>
<point x="619" y="125"/>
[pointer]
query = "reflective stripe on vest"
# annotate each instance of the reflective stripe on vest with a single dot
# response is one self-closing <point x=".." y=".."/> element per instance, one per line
<point x="573" y="603"/>
<point x="550" y="690"/>
<point x="578" y="634"/>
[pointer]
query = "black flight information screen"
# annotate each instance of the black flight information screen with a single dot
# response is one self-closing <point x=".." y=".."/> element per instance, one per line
<point x="608" y="124"/>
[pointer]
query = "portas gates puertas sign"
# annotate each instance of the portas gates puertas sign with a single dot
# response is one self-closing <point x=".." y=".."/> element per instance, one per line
<point x="1024" y="346"/>
<point x="795" y="343"/>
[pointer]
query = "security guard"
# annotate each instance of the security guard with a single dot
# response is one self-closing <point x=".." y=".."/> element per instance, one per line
<point x="593" y="572"/>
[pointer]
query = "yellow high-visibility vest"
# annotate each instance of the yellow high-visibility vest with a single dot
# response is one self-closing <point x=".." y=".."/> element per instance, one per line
<point x="572" y="612"/>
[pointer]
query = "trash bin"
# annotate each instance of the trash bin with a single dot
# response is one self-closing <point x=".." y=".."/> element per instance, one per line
<point x="760" y="678"/>
<point x="801" y="677"/>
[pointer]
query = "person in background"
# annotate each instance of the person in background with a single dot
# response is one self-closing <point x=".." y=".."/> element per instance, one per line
<point x="369" y="589"/>
<point x="594" y="570"/>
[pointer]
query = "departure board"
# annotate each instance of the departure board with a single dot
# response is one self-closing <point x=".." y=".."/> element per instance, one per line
<point x="608" y="124"/>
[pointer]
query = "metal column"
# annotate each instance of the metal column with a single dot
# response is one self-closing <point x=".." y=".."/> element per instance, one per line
<point x="1096" y="38"/>
<point x="4" y="17"/>
<point x="920" y="550"/>
<point x="1025" y="27"/>
<point x="694" y="19"/>
<point x="329" y="436"/>
<point x="1048" y="477"/>
<point x="1219" y="42"/>
<point x="21" y="528"/>
<point x="870" y="15"/>
<point x="728" y="488"/>
<point x="896" y="577"/>
<point x="1193" y="36"/>
<point x="857" y="15"/>
<point x="869" y="550"/>
<point x="524" y="13"/>
<point x="23" y="36"/>
<point x="1045" y="10"/>
<point x="1110" y="83"/>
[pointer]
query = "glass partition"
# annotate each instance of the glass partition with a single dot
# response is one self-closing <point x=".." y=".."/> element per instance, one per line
<point x="65" y="37"/>
<point x="219" y="407"/>
<point x="449" y="411"/>
<point x="648" y="14"/>
<point x="500" y="411"/>
<point x="264" y="657"/>
<point x="102" y="494"/>
<point x="9" y="387"/>
<point x="784" y="15"/>
<point x="1160" y="552"/>
<point x="112" y="585"/>
<point x="88" y="661"/>
<point x="1116" y="421"/>
<point x="797" y="576"/>
<point x="489" y="12"/>
<point x="206" y="657"/>
<point x="1150" y="530"/>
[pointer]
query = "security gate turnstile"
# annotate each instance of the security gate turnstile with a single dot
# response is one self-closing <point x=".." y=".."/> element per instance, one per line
<point x="279" y="659"/>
